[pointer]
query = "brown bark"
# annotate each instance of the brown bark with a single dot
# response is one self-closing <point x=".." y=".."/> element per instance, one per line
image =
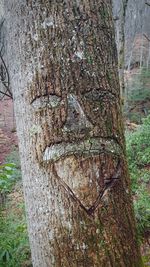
<point x="68" y="113"/>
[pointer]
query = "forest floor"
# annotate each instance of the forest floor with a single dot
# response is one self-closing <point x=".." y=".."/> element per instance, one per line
<point x="8" y="140"/>
<point x="8" y="136"/>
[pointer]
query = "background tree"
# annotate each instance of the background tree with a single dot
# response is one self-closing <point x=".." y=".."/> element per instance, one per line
<point x="120" y="20"/>
<point x="4" y="74"/>
<point x="66" y="92"/>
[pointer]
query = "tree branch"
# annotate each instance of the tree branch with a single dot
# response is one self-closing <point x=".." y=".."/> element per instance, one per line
<point x="4" y="74"/>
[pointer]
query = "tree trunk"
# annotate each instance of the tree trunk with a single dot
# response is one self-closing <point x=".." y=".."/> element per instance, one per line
<point x="120" y="38"/>
<point x="63" y="69"/>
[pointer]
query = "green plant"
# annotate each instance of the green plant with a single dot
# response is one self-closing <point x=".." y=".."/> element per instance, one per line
<point x="14" y="157"/>
<point x="14" y="244"/>
<point x="138" y="153"/>
<point x="6" y="177"/>
<point x="142" y="211"/>
<point x="138" y="145"/>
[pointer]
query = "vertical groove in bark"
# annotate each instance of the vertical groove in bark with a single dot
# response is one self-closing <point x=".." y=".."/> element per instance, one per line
<point x="76" y="183"/>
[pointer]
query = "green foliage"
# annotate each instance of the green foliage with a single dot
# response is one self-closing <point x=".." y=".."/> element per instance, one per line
<point x="146" y="258"/>
<point x="138" y="152"/>
<point x="10" y="172"/>
<point x="138" y="145"/>
<point x="14" y="157"/>
<point x="6" y="177"/>
<point x="142" y="210"/>
<point x="14" y="244"/>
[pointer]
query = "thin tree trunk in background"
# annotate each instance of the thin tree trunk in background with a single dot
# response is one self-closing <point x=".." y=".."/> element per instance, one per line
<point x="64" y="75"/>
<point x="148" y="58"/>
<point x="131" y="54"/>
<point x="121" y="52"/>
<point x="141" y="51"/>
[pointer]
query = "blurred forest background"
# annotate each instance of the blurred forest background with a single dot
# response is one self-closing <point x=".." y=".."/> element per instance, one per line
<point x="132" y="26"/>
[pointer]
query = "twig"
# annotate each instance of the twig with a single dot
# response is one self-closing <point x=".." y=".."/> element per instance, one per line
<point x="4" y="74"/>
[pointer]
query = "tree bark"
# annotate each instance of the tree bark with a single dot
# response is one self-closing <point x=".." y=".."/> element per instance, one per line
<point x="63" y="70"/>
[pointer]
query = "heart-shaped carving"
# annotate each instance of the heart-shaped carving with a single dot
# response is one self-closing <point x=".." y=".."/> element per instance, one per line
<point x="86" y="168"/>
<point x="81" y="176"/>
<point x="84" y="179"/>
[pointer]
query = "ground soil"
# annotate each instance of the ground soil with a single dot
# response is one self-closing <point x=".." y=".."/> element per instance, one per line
<point x="8" y="136"/>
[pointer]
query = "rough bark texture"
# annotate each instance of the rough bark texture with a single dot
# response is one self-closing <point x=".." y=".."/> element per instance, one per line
<point x="63" y="71"/>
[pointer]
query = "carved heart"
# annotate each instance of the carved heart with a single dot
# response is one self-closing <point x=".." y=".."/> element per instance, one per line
<point x="84" y="168"/>
<point x="81" y="179"/>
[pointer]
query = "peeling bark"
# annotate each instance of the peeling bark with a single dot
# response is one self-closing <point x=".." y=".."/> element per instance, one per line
<point x="68" y="112"/>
